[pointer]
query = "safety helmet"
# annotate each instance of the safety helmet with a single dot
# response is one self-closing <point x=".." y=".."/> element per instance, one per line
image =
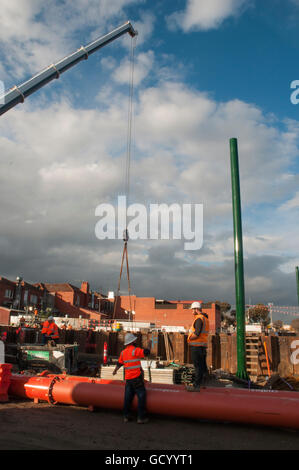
<point x="50" y="317"/>
<point x="195" y="305"/>
<point x="129" y="338"/>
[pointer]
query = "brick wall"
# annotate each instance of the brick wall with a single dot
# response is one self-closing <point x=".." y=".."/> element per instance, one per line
<point x="171" y="314"/>
<point x="4" y="316"/>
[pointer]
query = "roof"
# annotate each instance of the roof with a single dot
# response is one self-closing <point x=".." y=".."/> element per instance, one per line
<point x="7" y="281"/>
<point x="60" y="287"/>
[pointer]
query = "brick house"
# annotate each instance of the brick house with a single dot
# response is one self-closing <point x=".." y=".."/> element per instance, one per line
<point x="74" y="301"/>
<point x="19" y="294"/>
<point x="163" y="312"/>
<point x="7" y="292"/>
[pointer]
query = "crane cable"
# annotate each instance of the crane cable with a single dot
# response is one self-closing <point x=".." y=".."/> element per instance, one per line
<point x="127" y="185"/>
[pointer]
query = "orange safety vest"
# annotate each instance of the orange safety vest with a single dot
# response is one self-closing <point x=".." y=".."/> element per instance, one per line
<point x="45" y="327"/>
<point x="53" y="331"/>
<point x="130" y="358"/>
<point x="202" y="339"/>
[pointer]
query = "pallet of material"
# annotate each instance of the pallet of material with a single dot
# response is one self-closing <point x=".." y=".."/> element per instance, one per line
<point x="164" y="376"/>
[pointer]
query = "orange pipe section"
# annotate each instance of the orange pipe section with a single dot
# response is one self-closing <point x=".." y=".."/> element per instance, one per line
<point x="149" y="385"/>
<point x="280" y="409"/>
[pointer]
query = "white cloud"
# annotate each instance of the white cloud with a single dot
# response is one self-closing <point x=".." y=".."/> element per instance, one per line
<point x="292" y="203"/>
<point x="197" y="130"/>
<point x="61" y="162"/>
<point x="205" y="14"/>
<point x="35" y="34"/>
<point x="143" y="65"/>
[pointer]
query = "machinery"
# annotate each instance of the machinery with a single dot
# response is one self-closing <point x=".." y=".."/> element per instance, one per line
<point x="62" y="358"/>
<point x="17" y="94"/>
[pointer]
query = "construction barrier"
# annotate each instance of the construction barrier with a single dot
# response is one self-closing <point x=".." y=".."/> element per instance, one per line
<point x="5" y="379"/>
<point x="266" y="354"/>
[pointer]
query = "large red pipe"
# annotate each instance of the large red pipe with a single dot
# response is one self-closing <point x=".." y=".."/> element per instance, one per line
<point x="150" y="385"/>
<point x="280" y="409"/>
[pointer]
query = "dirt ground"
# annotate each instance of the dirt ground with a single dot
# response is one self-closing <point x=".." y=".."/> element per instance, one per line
<point x="28" y="426"/>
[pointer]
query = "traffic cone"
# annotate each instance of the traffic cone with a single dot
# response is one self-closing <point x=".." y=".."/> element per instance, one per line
<point x="105" y="353"/>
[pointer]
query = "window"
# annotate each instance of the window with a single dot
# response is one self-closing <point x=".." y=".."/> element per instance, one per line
<point x="165" y="305"/>
<point x="33" y="299"/>
<point x="8" y="293"/>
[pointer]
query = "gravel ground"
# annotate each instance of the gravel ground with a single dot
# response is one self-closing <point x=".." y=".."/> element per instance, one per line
<point x="28" y="426"/>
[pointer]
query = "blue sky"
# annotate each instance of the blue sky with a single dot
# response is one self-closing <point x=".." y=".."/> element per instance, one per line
<point x="205" y="71"/>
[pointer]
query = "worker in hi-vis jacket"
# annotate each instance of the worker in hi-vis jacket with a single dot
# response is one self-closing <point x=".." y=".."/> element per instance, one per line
<point x="198" y="342"/>
<point x="134" y="377"/>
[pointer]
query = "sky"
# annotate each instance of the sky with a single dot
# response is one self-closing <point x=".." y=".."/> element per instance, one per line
<point x="205" y="71"/>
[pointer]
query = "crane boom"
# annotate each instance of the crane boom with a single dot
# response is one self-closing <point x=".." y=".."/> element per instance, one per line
<point x="17" y="94"/>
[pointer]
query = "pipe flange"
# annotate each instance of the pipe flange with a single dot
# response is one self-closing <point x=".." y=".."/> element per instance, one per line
<point x="50" y="390"/>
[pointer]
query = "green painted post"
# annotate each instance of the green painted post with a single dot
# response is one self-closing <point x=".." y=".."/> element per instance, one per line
<point x="239" y="268"/>
<point x="297" y="279"/>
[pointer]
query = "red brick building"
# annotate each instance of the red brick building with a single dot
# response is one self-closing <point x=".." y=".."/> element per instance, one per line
<point x="74" y="301"/>
<point x="7" y="292"/>
<point x="164" y="313"/>
<point x="19" y="294"/>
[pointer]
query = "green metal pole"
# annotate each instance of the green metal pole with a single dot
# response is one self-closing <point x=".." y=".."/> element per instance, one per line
<point x="297" y="279"/>
<point x="239" y="268"/>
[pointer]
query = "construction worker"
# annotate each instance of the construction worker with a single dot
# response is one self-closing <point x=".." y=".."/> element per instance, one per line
<point x="198" y="342"/>
<point x="44" y="330"/>
<point x="52" y="332"/>
<point x="134" y="377"/>
<point x="49" y="331"/>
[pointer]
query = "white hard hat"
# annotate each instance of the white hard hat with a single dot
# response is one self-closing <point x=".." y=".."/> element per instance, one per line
<point x="129" y="338"/>
<point x="195" y="305"/>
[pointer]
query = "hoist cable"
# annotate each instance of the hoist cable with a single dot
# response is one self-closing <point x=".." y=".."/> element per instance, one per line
<point x="130" y="119"/>
<point x="127" y="180"/>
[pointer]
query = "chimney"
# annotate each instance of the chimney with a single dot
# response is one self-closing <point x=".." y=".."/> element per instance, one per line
<point x="85" y="287"/>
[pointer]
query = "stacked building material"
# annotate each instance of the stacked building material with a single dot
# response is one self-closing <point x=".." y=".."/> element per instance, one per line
<point x="165" y="376"/>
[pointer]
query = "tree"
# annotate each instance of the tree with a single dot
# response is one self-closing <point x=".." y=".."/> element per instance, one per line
<point x="259" y="314"/>
<point x="224" y="308"/>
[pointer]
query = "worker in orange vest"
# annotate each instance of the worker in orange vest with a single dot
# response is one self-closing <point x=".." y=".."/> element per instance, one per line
<point x="44" y="330"/>
<point x="134" y="377"/>
<point x="50" y="331"/>
<point x="53" y="331"/>
<point x="198" y="342"/>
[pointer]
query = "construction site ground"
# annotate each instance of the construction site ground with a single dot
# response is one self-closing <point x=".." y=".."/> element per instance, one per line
<point x="25" y="425"/>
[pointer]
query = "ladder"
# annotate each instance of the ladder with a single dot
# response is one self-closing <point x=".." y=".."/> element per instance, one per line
<point x="256" y="362"/>
<point x="252" y="355"/>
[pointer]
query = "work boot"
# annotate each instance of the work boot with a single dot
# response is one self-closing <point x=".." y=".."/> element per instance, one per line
<point x="142" y="420"/>
<point x="192" y="389"/>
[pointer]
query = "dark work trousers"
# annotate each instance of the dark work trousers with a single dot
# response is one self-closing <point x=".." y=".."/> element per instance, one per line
<point x="135" y="386"/>
<point x="199" y="359"/>
<point x="44" y="339"/>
